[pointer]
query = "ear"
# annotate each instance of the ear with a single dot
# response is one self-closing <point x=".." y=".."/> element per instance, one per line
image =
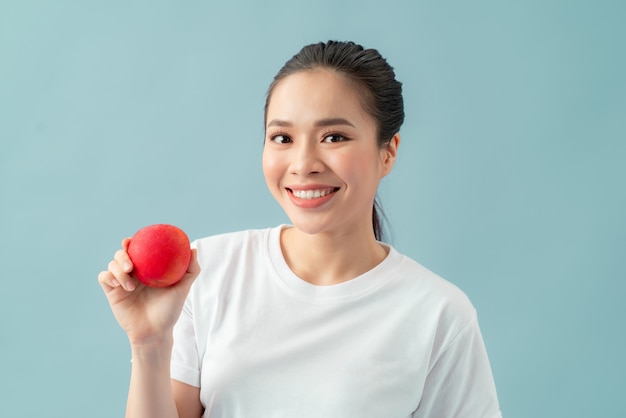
<point x="389" y="154"/>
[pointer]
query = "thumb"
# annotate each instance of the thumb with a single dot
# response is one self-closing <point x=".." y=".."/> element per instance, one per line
<point x="192" y="272"/>
<point x="194" y="266"/>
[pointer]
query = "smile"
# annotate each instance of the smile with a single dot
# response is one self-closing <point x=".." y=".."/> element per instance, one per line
<point x="312" y="194"/>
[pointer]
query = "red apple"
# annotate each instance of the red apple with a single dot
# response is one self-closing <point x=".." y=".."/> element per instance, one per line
<point x="160" y="254"/>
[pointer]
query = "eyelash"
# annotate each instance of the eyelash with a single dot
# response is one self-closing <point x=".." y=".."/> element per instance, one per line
<point x="275" y="135"/>
<point x="335" y="134"/>
<point x="343" y="137"/>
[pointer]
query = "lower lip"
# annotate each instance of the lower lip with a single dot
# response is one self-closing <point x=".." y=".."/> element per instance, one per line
<point x="309" y="203"/>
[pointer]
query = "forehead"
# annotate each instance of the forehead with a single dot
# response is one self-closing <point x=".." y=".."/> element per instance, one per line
<point x="319" y="93"/>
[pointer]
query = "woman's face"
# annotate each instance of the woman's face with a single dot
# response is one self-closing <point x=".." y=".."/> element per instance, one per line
<point x="321" y="159"/>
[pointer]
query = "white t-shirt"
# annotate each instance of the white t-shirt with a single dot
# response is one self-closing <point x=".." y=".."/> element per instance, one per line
<point x="395" y="342"/>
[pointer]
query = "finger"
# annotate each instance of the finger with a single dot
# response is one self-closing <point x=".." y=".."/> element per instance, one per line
<point x="107" y="281"/>
<point x="123" y="259"/>
<point x="125" y="243"/>
<point x="127" y="281"/>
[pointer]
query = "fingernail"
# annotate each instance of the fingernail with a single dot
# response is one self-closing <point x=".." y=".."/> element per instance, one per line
<point x="115" y="283"/>
<point x="126" y="266"/>
<point x="130" y="286"/>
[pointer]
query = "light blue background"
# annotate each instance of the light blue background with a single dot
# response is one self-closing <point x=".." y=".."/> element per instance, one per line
<point x="510" y="181"/>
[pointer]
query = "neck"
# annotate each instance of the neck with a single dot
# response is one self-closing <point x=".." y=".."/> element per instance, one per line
<point x="326" y="259"/>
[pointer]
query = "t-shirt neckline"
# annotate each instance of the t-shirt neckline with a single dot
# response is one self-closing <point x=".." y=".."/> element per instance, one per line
<point x="354" y="288"/>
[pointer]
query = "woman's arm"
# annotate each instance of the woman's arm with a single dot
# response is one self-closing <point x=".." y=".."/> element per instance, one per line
<point x="148" y="315"/>
<point x="150" y="393"/>
<point x="187" y="399"/>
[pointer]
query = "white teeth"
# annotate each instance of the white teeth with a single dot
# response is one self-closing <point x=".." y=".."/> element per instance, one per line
<point x="311" y="194"/>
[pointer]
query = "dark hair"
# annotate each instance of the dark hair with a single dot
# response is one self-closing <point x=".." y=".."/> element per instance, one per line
<point x="375" y="81"/>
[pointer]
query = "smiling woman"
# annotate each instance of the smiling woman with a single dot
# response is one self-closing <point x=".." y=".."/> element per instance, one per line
<point x="369" y="75"/>
<point x="320" y="140"/>
<point x="318" y="318"/>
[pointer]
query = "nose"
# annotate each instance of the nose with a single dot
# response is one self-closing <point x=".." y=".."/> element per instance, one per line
<point x="306" y="159"/>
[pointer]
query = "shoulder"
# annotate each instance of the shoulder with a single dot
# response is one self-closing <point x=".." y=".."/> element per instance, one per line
<point x="227" y="261"/>
<point x="217" y="251"/>
<point x="221" y="256"/>
<point x="231" y="246"/>
<point x="444" y="305"/>
<point x="238" y="238"/>
<point x="431" y="287"/>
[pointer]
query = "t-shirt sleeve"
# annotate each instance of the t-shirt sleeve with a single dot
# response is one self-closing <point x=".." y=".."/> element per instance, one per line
<point x="185" y="363"/>
<point x="460" y="382"/>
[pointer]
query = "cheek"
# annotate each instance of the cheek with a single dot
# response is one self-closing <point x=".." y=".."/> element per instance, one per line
<point x="359" y="167"/>
<point x="271" y="167"/>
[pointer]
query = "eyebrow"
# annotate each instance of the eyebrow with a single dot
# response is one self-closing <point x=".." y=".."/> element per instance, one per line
<point x="321" y="122"/>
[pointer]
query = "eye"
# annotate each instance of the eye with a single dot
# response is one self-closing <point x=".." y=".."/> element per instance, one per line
<point x="334" y="138"/>
<point x="280" y="139"/>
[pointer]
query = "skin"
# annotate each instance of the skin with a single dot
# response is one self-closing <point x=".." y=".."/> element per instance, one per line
<point x="317" y="135"/>
<point x="148" y="315"/>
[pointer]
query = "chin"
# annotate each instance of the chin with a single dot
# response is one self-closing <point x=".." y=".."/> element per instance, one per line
<point x="310" y="227"/>
<point x="307" y="228"/>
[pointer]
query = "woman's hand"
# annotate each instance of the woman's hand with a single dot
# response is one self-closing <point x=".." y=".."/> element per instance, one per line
<point x="146" y="314"/>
